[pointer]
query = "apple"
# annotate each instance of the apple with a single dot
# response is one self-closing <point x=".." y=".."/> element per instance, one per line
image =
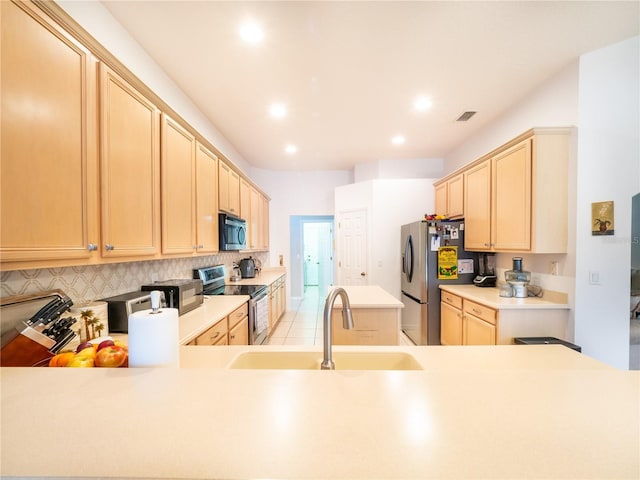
<point x="111" y="356"/>
<point x="84" y="345"/>
<point x="105" y="343"/>
<point x="82" y="361"/>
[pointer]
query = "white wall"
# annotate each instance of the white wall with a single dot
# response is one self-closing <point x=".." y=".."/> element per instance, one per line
<point x="408" y="168"/>
<point x="390" y="203"/>
<point x="295" y="193"/>
<point x="608" y="169"/>
<point x="99" y="22"/>
<point x="554" y="103"/>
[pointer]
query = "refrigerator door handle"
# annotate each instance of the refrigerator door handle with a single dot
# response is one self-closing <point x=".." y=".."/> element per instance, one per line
<point x="408" y="259"/>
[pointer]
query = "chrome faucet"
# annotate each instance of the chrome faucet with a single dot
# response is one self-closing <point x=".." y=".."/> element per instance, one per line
<point x="347" y="322"/>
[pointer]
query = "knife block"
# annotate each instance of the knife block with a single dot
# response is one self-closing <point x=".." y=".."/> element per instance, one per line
<point x="22" y="351"/>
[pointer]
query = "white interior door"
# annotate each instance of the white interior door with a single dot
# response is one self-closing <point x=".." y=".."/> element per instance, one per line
<point x="353" y="249"/>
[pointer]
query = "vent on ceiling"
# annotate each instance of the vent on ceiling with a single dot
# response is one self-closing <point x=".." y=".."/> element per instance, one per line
<point x="465" y="116"/>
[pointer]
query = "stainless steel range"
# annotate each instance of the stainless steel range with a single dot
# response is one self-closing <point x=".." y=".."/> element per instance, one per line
<point x="213" y="282"/>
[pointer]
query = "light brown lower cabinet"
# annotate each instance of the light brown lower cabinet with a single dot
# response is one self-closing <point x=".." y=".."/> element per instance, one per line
<point x="479" y="324"/>
<point x="463" y="322"/>
<point x="231" y="330"/>
<point x="371" y="326"/>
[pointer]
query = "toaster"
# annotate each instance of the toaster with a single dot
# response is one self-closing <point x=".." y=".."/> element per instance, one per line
<point x="121" y="306"/>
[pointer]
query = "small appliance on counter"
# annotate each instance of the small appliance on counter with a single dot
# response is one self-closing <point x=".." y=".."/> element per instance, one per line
<point x="236" y="276"/>
<point x="247" y="267"/>
<point x="120" y="307"/>
<point x="518" y="278"/>
<point x="183" y="294"/>
<point x="486" y="270"/>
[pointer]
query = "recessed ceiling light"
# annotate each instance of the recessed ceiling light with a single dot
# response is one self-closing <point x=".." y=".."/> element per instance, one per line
<point x="291" y="149"/>
<point x="398" y="140"/>
<point x="278" y="110"/>
<point x="422" y="103"/>
<point x="251" y="32"/>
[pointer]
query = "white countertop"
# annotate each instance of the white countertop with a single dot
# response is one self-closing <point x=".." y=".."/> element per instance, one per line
<point x="265" y="277"/>
<point x="474" y="412"/>
<point x="368" y="296"/>
<point x="490" y="297"/>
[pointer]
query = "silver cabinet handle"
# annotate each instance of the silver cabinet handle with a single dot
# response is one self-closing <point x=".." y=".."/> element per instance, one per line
<point x="92" y="247"/>
<point x="475" y="310"/>
<point x="215" y="336"/>
<point x="200" y="246"/>
<point x="109" y="247"/>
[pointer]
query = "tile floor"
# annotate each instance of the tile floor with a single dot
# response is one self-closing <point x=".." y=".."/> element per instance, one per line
<point x="302" y="325"/>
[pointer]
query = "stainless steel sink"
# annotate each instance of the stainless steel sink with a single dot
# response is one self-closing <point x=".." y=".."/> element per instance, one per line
<point x="312" y="361"/>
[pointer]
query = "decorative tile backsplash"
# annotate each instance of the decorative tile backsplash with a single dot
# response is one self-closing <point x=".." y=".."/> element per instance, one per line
<point x="92" y="282"/>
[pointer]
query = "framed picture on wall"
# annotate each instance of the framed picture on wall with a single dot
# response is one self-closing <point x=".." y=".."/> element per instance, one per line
<point x="602" y="218"/>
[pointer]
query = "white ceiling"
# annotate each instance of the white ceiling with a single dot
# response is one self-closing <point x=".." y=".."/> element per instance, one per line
<point x="348" y="72"/>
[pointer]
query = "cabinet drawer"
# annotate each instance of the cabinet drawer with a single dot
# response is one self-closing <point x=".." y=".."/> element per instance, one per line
<point x="485" y="313"/>
<point x="451" y="299"/>
<point x="214" y="334"/>
<point x="238" y="315"/>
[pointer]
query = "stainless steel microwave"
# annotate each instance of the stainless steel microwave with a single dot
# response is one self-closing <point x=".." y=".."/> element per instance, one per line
<point x="233" y="232"/>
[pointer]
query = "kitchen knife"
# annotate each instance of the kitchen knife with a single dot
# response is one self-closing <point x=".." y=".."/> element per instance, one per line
<point x="45" y="311"/>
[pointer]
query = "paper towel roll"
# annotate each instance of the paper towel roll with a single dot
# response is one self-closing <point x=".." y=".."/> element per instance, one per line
<point x="154" y="340"/>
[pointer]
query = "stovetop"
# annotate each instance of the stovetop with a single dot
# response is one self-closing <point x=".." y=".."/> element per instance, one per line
<point x="251" y="290"/>
<point x="213" y="282"/>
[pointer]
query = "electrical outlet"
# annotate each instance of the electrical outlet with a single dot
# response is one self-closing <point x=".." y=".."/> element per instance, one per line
<point x="554" y="268"/>
<point x="594" y="277"/>
<point x="154" y="277"/>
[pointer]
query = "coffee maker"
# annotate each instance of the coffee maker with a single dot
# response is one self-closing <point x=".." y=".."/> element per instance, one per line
<point x="486" y="270"/>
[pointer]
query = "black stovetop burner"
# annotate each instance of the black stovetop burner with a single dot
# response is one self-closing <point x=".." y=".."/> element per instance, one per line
<point x="251" y="290"/>
<point x="213" y="279"/>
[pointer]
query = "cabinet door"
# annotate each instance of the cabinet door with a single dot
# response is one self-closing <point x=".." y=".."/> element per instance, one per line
<point x="239" y="335"/>
<point x="206" y="200"/>
<point x="478" y="332"/>
<point x="511" y="219"/>
<point x="223" y="186"/>
<point x="129" y="169"/>
<point x="441" y="199"/>
<point x="48" y="179"/>
<point x="255" y="230"/>
<point x="477" y="207"/>
<point x="178" y="188"/>
<point x="264" y="221"/>
<point x="245" y="204"/>
<point x="455" y="196"/>
<point x="450" y="325"/>
<point x="234" y="192"/>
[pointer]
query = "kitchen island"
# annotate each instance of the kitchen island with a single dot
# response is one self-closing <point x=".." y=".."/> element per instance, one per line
<point x="472" y="412"/>
<point x="376" y="317"/>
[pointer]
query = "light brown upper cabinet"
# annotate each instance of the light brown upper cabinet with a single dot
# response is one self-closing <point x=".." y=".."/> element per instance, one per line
<point x="206" y="200"/>
<point x="264" y="216"/>
<point x="254" y="208"/>
<point x="48" y="136"/>
<point x="477" y="206"/>
<point x="245" y="202"/>
<point x="129" y="169"/>
<point x="255" y="230"/>
<point x="516" y="198"/>
<point x="178" y="164"/>
<point x="229" y="189"/>
<point x="450" y="197"/>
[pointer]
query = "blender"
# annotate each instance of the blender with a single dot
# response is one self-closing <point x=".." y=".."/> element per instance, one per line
<point x="518" y="278"/>
<point x="486" y="271"/>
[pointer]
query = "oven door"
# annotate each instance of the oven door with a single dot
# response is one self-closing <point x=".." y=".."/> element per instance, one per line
<point x="259" y="319"/>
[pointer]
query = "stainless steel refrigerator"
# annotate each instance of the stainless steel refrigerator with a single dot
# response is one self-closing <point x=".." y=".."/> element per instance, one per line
<point x="421" y="244"/>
